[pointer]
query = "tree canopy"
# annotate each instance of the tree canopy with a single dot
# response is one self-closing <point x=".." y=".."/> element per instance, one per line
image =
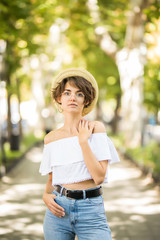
<point x="25" y="26"/>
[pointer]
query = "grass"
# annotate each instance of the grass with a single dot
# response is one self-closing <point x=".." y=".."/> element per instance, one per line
<point x="145" y="156"/>
<point x="25" y="144"/>
<point x="148" y="156"/>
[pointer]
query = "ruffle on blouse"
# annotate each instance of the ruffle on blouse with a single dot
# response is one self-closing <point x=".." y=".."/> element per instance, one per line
<point x="67" y="151"/>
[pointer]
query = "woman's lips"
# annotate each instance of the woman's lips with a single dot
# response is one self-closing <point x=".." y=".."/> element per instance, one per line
<point x="74" y="105"/>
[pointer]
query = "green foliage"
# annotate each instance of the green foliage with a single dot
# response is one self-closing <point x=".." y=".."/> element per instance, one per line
<point x="152" y="86"/>
<point x="86" y="51"/>
<point x="118" y="139"/>
<point x="22" y="23"/>
<point x="29" y="140"/>
<point x="25" y="25"/>
<point x="147" y="156"/>
<point x="152" y="11"/>
<point x="152" y="68"/>
<point x="113" y="15"/>
<point x="26" y="143"/>
<point x="105" y="71"/>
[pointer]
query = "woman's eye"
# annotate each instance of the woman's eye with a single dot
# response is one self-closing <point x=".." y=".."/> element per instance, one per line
<point x="77" y="94"/>
<point x="80" y="95"/>
<point x="66" y="93"/>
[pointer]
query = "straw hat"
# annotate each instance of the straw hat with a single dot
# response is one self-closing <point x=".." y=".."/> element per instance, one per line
<point x="71" y="72"/>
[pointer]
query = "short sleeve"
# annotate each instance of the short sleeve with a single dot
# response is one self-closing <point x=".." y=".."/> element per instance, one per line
<point x="103" y="148"/>
<point x="45" y="166"/>
<point x="113" y="151"/>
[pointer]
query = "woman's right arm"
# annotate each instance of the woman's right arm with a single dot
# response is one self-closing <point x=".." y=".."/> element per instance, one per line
<point x="48" y="199"/>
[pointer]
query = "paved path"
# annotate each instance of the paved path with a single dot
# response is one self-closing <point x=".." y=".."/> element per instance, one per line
<point x="132" y="202"/>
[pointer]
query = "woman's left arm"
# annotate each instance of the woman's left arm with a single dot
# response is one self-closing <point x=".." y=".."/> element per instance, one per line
<point x="96" y="169"/>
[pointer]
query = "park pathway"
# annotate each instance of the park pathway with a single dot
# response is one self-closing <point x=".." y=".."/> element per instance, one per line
<point x="132" y="202"/>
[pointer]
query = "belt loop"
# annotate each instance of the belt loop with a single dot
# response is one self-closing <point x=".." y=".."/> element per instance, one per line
<point x="61" y="191"/>
<point x="84" y="194"/>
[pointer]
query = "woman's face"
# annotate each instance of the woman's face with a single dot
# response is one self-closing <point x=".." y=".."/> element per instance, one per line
<point x="72" y="99"/>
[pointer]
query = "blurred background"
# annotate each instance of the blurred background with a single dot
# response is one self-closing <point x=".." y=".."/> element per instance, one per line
<point x="117" y="41"/>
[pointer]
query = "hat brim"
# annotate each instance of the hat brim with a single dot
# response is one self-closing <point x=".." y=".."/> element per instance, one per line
<point x="71" y="72"/>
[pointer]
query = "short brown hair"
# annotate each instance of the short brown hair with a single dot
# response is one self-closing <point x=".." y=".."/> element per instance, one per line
<point x="84" y="85"/>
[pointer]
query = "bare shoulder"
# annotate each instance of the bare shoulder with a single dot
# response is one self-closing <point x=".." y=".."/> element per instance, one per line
<point x="52" y="136"/>
<point x="49" y="137"/>
<point x="99" y="127"/>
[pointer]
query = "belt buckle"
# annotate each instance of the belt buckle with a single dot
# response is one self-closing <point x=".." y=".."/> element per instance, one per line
<point x="67" y="194"/>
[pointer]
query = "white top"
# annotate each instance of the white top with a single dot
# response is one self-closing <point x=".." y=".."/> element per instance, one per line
<point x="65" y="160"/>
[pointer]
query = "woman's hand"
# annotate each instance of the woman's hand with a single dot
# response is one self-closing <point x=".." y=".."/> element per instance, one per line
<point x="56" y="209"/>
<point x="85" y="129"/>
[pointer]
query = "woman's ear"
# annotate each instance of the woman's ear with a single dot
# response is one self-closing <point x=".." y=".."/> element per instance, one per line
<point x="59" y="100"/>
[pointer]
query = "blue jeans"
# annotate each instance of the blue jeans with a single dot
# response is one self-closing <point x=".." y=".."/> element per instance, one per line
<point x="84" y="218"/>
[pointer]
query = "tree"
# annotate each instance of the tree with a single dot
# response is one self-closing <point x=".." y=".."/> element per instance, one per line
<point x="129" y="55"/>
<point x="86" y="52"/>
<point x="152" y="68"/>
<point x="24" y="26"/>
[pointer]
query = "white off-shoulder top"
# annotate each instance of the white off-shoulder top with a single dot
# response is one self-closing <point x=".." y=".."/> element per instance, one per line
<point x="65" y="160"/>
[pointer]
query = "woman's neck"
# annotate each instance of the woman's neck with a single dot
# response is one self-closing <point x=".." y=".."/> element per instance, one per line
<point x="71" y="123"/>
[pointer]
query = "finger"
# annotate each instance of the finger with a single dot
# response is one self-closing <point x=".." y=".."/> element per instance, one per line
<point x="80" y="124"/>
<point x="54" y="196"/>
<point x="86" y="125"/>
<point x="56" y="213"/>
<point x="57" y="206"/>
<point x="83" y="123"/>
<point x="54" y="208"/>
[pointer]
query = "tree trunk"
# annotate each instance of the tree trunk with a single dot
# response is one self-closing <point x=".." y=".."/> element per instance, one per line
<point x="98" y="111"/>
<point x="9" y="128"/>
<point x="114" y="124"/>
<point x="19" y="102"/>
<point x="8" y="84"/>
<point x="2" y="136"/>
<point x="130" y="61"/>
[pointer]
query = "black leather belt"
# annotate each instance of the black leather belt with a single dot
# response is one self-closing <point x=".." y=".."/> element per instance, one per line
<point x="79" y="194"/>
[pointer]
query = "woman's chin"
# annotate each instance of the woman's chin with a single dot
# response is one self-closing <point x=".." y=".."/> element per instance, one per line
<point x="73" y="111"/>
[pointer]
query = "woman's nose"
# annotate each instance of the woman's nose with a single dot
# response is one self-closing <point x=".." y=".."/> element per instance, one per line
<point x="73" y="96"/>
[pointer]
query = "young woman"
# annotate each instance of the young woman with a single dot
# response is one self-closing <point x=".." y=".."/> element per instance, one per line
<point x="76" y="157"/>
